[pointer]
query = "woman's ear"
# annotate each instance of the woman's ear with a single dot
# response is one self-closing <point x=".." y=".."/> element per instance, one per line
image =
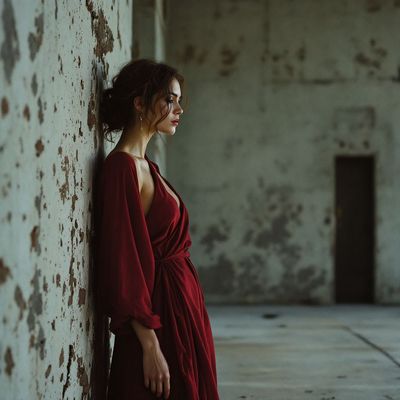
<point x="138" y="103"/>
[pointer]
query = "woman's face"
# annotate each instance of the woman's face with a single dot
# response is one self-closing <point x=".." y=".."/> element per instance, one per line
<point x="170" y="105"/>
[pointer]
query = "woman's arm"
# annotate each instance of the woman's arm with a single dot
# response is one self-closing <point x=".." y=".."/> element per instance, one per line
<point x="155" y="367"/>
<point x="146" y="336"/>
<point x="126" y="268"/>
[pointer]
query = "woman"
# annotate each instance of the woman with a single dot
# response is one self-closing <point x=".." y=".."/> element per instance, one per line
<point x="148" y="285"/>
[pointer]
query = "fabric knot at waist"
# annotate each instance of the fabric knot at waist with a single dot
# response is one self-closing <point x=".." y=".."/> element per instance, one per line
<point x="181" y="254"/>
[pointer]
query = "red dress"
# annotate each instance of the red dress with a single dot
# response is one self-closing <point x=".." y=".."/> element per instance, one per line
<point x="145" y="272"/>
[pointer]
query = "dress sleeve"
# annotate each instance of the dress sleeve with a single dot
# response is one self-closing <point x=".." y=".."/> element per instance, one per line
<point x="126" y="262"/>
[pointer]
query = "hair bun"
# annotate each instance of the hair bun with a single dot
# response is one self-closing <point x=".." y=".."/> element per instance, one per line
<point x="110" y="110"/>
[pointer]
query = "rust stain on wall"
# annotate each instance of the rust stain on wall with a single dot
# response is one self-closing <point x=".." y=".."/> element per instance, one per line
<point x="64" y="189"/>
<point x="9" y="361"/>
<point x="89" y="5"/>
<point x="31" y="341"/>
<point x="39" y="146"/>
<point x="91" y="117"/>
<point x="35" y="245"/>
<point x="71" y="280"/>
<point x="48" y="370"/>
<point x="61" y="358"/>
<point x="100" y="28"/>
<point x="82" y="376"/>
<point x="26" y="112"/>
<point x="4" y="107"/>
<point x="82" y="296"/>
<point x="58" y="280"/>
<point x="4" y="272"/>
<point x="40" y="110"/>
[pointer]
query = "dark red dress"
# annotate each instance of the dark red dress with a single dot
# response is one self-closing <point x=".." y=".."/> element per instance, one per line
<point x="145" y="272"/>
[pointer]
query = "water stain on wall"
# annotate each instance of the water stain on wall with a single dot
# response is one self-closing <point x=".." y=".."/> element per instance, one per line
<point x="228" y="60"/>
<point x="35" y="39"/>
<point x="219" y="276"/>
<point x="20" y="301"/>
<point x="34" y="84"/>
<point x="215" y="233"/>
<point x="250" y="284"/>
<point x="9" y="52"/>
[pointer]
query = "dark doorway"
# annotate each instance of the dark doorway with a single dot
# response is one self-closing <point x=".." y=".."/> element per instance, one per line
<point x="355" y="227"/>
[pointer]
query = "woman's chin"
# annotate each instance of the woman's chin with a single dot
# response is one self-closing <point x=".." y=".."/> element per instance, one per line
<point x="169" y="131"/>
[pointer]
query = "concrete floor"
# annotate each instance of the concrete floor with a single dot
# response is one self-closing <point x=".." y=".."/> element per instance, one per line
<point x="341" y="352"/>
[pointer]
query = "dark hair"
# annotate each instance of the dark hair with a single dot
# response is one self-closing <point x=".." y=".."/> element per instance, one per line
<point x="143" y="77"/>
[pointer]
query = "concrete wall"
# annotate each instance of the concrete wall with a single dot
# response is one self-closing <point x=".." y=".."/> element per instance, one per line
<point x="55" y="56"/>
<point x="276" y="89"/>
<point x="149" y="42"/>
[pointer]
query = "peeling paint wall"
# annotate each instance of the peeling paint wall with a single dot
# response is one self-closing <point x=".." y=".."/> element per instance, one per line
<point x="276" y="90"/>
<point x="55" y="56"/>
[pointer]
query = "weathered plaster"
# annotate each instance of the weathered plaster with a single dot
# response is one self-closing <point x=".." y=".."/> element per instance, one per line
<point x="55" y="57"/>
<point x="276" y="90"/>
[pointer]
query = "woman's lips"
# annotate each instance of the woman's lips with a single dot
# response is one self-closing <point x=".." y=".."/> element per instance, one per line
<point x="175" y="122"/>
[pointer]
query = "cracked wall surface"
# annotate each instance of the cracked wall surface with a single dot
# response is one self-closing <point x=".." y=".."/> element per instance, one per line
<point x="55" y="57"/>
<point x="276" y="90"/>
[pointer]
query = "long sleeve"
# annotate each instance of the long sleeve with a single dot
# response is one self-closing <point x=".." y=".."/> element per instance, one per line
<point x="126" y="260"/>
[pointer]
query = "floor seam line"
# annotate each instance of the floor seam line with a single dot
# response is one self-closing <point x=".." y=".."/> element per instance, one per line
<point x="372" y="344"/>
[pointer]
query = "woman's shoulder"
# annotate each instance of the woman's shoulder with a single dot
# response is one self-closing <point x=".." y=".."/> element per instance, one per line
<point x="119" y="164"/>
<point x="119" y="158"/>
<point x="120" y="161"/>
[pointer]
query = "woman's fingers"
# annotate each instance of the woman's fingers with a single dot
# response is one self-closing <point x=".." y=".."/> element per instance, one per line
<point x="153" y="386"/>
<point x="159" y="386"/>
<point x="167" y="387"/>
<point x="146" y="382"/>
<point x="156" y="372"/>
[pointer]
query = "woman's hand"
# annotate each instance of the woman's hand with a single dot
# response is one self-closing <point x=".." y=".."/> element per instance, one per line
<point x="156" y="372"/>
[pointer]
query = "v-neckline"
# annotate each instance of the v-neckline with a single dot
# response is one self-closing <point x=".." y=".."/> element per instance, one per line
<point x="157" y="181"/>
